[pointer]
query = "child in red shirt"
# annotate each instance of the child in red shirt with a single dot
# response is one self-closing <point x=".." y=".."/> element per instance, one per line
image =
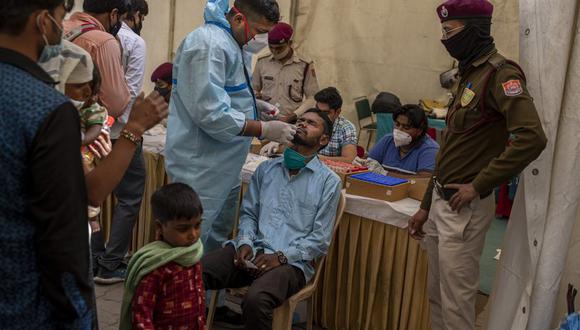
<point x="164" y="288"/>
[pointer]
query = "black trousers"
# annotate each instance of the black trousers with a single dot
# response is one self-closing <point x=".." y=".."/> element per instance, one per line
<point x="266" y="292"/>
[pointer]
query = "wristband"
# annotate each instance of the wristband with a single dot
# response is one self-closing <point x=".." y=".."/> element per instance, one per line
<point x="131" y="137"/>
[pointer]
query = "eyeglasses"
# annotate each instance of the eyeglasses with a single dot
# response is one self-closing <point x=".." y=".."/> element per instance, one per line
<point x="448" y="33"/>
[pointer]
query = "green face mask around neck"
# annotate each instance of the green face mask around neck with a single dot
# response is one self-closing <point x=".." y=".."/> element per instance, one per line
<point x="294" y="160"/>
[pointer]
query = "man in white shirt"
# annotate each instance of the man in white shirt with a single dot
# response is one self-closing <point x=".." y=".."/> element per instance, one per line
<point x="129" y="192"/>
<point x="134" y="51"/>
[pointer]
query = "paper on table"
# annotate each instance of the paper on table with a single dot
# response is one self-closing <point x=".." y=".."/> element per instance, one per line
<point x="392" y="168"/>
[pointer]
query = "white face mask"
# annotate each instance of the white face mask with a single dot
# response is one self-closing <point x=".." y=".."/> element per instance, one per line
<point x="401" y="138"/>
<point x="78" y="104"/>
<point x="256" y="45"/>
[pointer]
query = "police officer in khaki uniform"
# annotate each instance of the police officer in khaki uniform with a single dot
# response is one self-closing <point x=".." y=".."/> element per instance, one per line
<point x="490" y="103"/>
<point x="284" y="78"/>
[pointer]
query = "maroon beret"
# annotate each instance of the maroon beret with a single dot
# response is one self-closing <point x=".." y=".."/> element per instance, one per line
<point x="281" y="33"/>
<point x="163" y="72"/>
<point x="464" y="9"/>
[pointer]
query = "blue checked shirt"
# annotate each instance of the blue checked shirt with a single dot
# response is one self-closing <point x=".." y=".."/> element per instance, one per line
<point x="343" y="133"/>
<point x="294" y="215"/>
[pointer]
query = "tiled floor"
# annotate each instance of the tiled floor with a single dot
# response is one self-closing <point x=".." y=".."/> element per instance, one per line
<point x="109" y="305"/>
<point x="109" y="300"/>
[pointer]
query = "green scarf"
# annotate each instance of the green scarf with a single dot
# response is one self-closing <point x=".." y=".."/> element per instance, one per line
<point x="149" y="258"/>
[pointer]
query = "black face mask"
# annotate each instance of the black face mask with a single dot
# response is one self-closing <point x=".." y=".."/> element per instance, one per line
<point x="137" y="27"/>
<point x="114" y="29"/>
<point x="471" y="43"/>
<point x="163" y="91"/>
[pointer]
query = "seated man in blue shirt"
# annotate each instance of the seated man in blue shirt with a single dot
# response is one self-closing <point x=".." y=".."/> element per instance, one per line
<point x="286" y="222"/>
<point x="409" y="148"/>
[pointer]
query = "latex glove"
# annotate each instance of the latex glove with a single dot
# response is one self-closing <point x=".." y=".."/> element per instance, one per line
<point x="375" y="167"/>
<point x="269" y="149"/>
<point x="360" y="161"/>
<point x="278" y="131"/>
<point x="267" y="111"/>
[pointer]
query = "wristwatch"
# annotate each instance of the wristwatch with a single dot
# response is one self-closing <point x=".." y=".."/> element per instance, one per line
<point x="281" y="258"/>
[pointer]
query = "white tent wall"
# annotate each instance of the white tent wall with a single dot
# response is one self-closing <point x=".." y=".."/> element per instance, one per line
<point x="541" y="247"/>
<point x="363" y="47"/>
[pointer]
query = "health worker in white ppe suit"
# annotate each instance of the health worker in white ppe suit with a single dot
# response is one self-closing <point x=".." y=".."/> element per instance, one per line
<point x="213" y="111"/>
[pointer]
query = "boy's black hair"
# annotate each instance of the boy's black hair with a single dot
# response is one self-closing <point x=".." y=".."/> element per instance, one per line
<point x="96" y="82"/>
<point x="14" y="13"/>
<point x="106" y="6"/>
<point x="416" y="115"/>
<point x="140" y="6"/>
<point x="330" y="96"/>
<point x="175" y="201"/>
<point x="268" y="9"/>
<point x="328" y="125"/>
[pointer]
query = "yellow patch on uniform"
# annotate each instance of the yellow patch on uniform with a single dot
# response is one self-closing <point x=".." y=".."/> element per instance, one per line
<point x="512" y="87"/>
<point x="467" y="97"/>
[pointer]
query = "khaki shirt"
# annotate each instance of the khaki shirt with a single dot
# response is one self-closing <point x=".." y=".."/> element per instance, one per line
<point x="282" y="84"/>
<point x="480" y="155"/>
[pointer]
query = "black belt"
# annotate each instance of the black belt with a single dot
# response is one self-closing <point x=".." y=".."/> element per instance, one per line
<point x="447" y="193"/>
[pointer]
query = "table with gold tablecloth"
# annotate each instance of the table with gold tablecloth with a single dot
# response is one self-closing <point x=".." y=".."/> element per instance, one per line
<point x="376" y="276"/>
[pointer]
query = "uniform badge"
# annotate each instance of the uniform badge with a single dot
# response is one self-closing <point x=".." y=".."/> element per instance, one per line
<point x="444" y="12"/>
<point x="467" y="97"/>
<point x="512" y="88"/>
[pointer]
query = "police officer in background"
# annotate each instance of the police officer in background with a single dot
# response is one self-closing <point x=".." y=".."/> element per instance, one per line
<point x="491" y="102"/>
<point x="285" y="79"/>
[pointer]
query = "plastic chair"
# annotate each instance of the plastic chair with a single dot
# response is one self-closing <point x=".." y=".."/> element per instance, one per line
<point x="283" y="315"/>
<point x="363" y="112"/>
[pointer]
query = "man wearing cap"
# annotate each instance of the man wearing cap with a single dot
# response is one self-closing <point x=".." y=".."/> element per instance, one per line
<point x="162" y="77"/>
<point x="491" y="102"/>
<point x="285" y="78"/>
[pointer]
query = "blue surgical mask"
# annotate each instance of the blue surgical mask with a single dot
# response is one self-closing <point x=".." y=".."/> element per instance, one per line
<point x="49" y="51"/>
<point x="294" y="160"/>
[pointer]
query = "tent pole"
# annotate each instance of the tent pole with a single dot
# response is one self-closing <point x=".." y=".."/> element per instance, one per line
<point x="294" y="4"/>
<point x="171" y="41"/>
